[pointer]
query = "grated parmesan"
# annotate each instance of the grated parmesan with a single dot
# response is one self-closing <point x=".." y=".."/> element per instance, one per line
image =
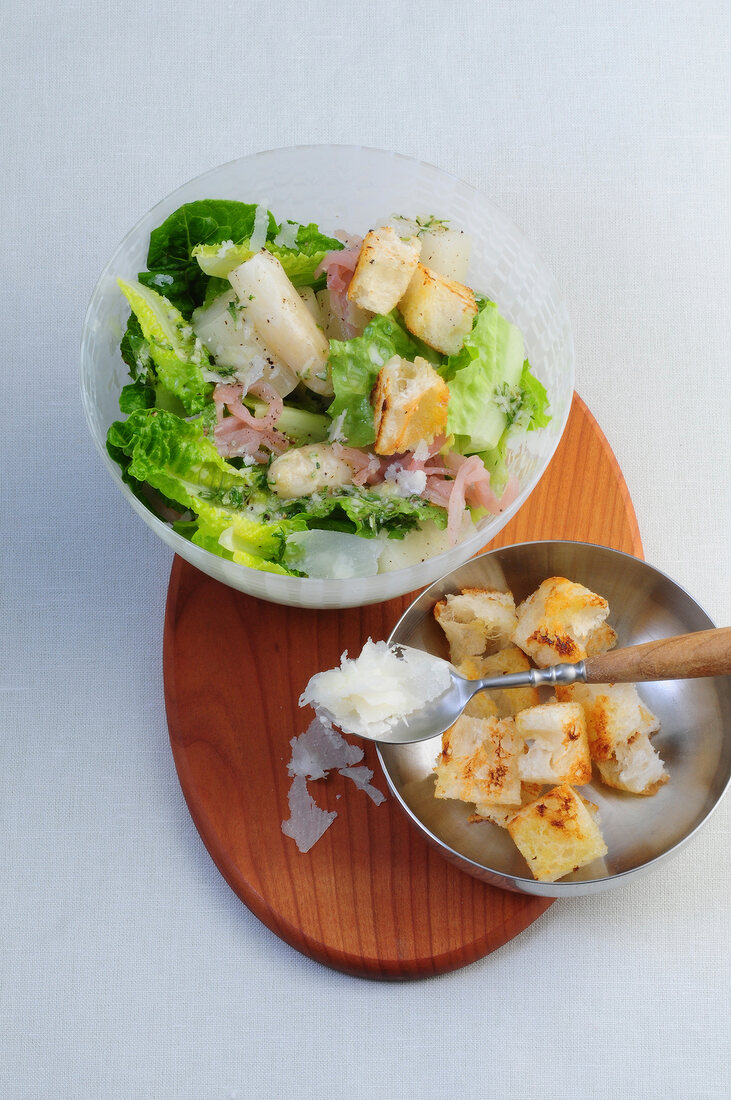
<point x="367" y="694"/>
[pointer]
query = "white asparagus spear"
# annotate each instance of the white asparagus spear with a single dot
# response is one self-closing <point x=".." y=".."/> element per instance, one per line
<point x="282" y="319"/>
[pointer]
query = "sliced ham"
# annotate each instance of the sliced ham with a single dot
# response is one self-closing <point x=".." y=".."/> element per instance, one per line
<point x="242" y="433"/>
<point x="367" y="468"/>
<point x="471" y="485"/>
<point x="339" y="267"/>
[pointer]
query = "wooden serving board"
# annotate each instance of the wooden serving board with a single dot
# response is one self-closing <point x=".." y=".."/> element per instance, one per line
<point x="371" y="898"/>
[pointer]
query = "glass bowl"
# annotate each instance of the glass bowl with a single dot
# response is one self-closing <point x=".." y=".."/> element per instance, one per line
<point x="348" y="187"/>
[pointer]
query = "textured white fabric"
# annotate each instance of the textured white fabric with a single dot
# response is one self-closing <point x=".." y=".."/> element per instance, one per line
<point x="129" y="969"/>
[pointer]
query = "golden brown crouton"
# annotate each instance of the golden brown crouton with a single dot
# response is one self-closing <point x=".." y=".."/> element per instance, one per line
<point x="385" y="266"/>
<point x="557" y="834"/>
<point x="501" y="815"/>
<point x="439" y="311"/>
<point x="557" y="747"/>
<point x="479" y="762"/>
<point x="507" y="701"/>
<point x="409" y="405"/>
<point x="635" y="767"/>
<point x="476" y="621"/>
<point x="613" y="714"/>
<point x="557" y="620"/>
<point x="601" y="640"/>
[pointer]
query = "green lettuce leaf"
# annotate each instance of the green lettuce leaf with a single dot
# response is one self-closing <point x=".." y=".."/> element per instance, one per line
<point x="177" y="356"/>
<point x="299" y="262"/>
<point x="135" y="351"/>
<point x="491" y="385"/>
<point x="244" y="538"/>
<point x="533" y="411"/>
<point x="136" y="396"/>
<point x="355" y="365"/>
<point x="365" y="512"/>
<point x="175" y="457"/>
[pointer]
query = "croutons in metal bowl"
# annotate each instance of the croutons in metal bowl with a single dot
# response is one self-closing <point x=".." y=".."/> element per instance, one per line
<point x="348" y="188"/>
<point x="640" y="831"/>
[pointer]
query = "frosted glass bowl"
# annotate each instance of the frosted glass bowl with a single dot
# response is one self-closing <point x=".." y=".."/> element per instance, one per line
<point x="348" y="187"/>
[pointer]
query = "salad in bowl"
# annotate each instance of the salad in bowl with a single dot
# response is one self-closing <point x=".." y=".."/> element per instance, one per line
<point x="316" y="405"/>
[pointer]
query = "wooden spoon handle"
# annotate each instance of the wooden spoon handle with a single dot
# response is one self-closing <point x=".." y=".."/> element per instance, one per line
<point x="705" y="653"/>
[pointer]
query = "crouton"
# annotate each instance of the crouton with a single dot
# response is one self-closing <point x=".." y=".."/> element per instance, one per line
<point x="557" y="747"/>
<point x="600" y="640"/>
<point x="477" y="622"/>
<point x="507" y="701"/>
<point x="385" y="266"/>
<point x="409" y="405"/>
<point x="635" y="767"/>
<point x="501" y="815"/>
<point x="439" y="311"/>
<point x="557" y="834"/>
<point x="613" y="715"/>
<point x="557" y="620"/>
<point x="479" y="762"/>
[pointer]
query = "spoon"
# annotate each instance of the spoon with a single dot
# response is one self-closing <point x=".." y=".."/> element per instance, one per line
<point x="704" y="653"/>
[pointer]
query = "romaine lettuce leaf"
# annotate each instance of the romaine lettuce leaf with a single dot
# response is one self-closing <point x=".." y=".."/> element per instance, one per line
<point x="365" y="512"/>
<point x="243" y="538"/>
<point x="300" y="261"/>
<point x="491" y="386"/>
<point x="533" y="411"/>
<point x="355" y="365"/>
<point x="177" y="356"/>
<point x="175" y="457"/>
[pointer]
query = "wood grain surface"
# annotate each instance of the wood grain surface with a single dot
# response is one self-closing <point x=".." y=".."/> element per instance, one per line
<point x="371" y="898"/>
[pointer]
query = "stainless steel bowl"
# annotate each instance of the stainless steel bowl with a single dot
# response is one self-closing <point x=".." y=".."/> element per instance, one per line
<point x="694" y="741"/>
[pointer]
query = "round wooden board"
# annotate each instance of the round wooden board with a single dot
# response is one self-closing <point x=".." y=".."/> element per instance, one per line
<point x="371" y="898"/>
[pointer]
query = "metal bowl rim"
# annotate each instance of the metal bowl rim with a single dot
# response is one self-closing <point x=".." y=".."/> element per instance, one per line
<point x="517" y="882"/>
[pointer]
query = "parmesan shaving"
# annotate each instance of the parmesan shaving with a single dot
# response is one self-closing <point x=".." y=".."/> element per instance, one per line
<point x="366" y="695"/>
<point x="362" y="779"/>
<point x="287" y="235"/>
<point x="306" y="822"/>
<point x="320" y="749"/>
<point x="261" y="227"/>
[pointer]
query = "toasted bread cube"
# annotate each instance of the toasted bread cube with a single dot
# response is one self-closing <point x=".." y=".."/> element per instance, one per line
<point x="479" y="762"/>
<point x="507" y="701"/>
<point x="483" y="705"/>
<point x="557" y="834"/>
<point x="613" y="712"/>
<point x="557" y="746"/>
<point x="501" y="815"/>
<point x="439" y="311"/>
<point x="649" y="723"/>
<point x="557" y="620"/>
<point x="409" y="405"/>
<point x="476" y="621"/>
<point x="601" y="640"/>
<point x="635" y="767"/>
<point x="384" y="270"/>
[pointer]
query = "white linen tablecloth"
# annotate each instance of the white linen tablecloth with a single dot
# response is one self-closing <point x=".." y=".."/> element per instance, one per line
<point x="129" y="969"/>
